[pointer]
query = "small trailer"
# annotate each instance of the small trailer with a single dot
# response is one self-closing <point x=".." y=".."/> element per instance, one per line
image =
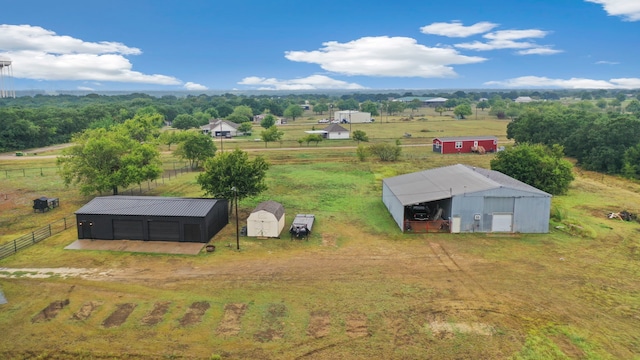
<point x="301" y="227"/>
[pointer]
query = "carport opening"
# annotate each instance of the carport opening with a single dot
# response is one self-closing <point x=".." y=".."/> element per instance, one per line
<point x="430" y="216"/>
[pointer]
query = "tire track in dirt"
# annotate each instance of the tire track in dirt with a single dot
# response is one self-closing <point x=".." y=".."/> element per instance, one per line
<point x="461" y="276"/>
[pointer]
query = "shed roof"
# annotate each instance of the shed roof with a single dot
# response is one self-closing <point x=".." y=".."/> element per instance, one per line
<point x="335" y="128"/>
<point x="148" y="205"/>
<point x="466" y="138"/>
<point x="272" y="207"/>
<point x="449" y="181"/>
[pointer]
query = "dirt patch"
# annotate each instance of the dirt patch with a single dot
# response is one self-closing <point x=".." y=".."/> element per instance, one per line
<point x="319" y="324"/>
<point x="119" y="316"/>
<point x="86" y="310"/>
<point x="50" y="312"/>
<point x="567" y="347"/>
<point x="329" y="240"/>
<point x="230" y="324"/>
<point x="357" y="325"/>
<point x="446" y="330"/>
<point x="156" y="315"/>
<point x="272" y="325"/>
<point x="194" y="313"/>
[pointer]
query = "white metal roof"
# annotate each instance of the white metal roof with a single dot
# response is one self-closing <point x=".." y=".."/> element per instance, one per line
<point x="449" y="181"/>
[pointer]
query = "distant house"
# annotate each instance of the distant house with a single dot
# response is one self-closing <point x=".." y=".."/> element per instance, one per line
<point x="426" y="101"/>
<point x="523" y="99"/>
<point x="464" y="144"/>
<point x="332" y="132"/>
<point x="219" y="127"/>
<point x="352" y="116"/>
<point x="258" y="119"/>
<point x="266" y="220"/>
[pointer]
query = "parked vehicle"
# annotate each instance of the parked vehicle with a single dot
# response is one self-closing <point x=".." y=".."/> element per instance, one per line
<point x="323" y="121"/>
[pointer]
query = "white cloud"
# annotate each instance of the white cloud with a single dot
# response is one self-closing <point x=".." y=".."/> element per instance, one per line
<point x="456" y="29"/>
<point x="604" y="62"/>
<point x="628" y="9"/>
<point x="193" y="86"/>
<point x="86" y="88"/>
<point x="539" y="51"/>
<point x="508" y="39"/>
<point x="573" y="83"/>
<point x="384" y="56"/>
<point x="515" y="34"/>
<point x="40" y="54"/>
<point x="312" y="82"/>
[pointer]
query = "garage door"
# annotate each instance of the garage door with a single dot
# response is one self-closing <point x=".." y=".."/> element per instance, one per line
<point x="164" y="230"/>
<point x="501" y="222"/>
<point x="127" y="230"/>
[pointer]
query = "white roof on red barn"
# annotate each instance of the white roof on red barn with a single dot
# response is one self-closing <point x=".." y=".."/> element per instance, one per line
<point x="465" y="138"/>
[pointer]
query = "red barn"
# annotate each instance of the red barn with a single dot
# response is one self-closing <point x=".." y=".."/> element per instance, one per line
<point x="465" y="144"/>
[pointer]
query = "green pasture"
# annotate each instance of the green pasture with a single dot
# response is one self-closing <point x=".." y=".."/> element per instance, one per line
<point x="570" y="294"/>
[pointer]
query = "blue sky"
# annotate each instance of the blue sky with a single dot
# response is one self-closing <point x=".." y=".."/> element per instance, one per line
<point x="314" y="45"/>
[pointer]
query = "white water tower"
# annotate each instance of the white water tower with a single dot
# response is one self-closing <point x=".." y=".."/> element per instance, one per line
<point x="6" y="78"/>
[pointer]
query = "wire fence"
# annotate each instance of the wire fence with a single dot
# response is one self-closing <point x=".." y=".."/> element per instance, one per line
<point x="58" y="226"/>
<point x="35" y="236"/>
<point x="53" y="170"/>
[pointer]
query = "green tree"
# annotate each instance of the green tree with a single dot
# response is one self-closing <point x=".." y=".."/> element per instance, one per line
<point x="537" y="165"/>
<point x="601" y="103"/>
<point x="245" y="128"/>
<point x="143" y="127"/>
<point x="631" y="167"/>
<point x="440" y="110"/>
<point x="320" y="108"/>
<point x="271" y="134"/>
<point x="268" y="121"/>
<point x="185" y="121"/>
<point x="385" y="151"/>
<point x="195" y="147"/>
<point x="293" y="111"/>
<point x="370" y="107"/>
<point x="414" y="104"/>
<point x="316" y="138"/>
<point x="483" y="105"/>
<point x="240" y="114"/>
<point x="394" y="107"/>
<point x="233" y="170"/>
<point x="170" y="137"/>
<point x="633" y="106"/>
<point x="362" y="152"/>
<point x="104" y="160"/>
<point x="359" y="135"/>
<point x="461" y="110"/>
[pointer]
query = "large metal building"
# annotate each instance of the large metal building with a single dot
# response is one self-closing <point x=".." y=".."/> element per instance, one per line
<point x="152" y="218"/>
<point x="467" y="199"/>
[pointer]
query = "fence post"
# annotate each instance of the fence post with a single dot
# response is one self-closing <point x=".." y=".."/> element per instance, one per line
<point x="65" y="223"/>
<point x="49" y="229"/>
<point x="15" y="246"/>
<point x="33" y="237"/>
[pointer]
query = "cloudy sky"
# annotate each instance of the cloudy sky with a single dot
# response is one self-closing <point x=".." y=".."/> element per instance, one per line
<point x="330" y="44"/>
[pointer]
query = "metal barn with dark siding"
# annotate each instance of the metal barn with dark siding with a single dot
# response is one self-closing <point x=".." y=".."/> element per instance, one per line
<point x="464" y="144"/>
<point x="152" y="218"/>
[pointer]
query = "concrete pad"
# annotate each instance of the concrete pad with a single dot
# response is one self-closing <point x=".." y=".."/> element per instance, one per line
<point x="164" y="247"/>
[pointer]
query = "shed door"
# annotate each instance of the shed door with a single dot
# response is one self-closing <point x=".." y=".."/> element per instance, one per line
<point x="455" y="224"/>
<point x="501" y="222"/>
<point x="127" y="230"/>
<point x="164" y="230"/>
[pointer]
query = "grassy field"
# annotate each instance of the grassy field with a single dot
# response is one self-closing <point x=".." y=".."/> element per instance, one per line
<point x="358" y="289"/>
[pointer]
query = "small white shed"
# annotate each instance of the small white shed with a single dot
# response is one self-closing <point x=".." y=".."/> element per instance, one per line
<point x="266" y="220"/>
